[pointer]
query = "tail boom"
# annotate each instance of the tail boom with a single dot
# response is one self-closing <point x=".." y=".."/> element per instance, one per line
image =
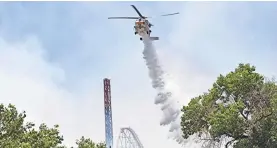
<point x="151" y="38"/>
<point x="154" y="38"/>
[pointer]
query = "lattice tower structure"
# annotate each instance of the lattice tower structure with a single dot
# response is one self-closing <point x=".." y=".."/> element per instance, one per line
<point x="108" y="114"/>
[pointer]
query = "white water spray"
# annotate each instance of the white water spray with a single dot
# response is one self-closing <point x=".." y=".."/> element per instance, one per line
<point x="170" y="111"/>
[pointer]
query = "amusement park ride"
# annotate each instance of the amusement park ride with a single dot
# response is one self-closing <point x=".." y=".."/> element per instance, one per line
<point x="127" y="137"/>
<point x="142" y="25"/>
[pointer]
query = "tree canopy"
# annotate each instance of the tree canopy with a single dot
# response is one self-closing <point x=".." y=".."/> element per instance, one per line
<point x="88" y="143"/>
<point x="241" y="107"/>
<point x="15" y="133"/>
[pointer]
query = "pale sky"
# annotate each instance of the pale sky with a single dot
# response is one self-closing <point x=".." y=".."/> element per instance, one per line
<point x="54" y="56"/>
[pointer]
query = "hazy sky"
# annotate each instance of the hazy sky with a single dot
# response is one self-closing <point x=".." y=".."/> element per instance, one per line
<point x="54" y="56"/>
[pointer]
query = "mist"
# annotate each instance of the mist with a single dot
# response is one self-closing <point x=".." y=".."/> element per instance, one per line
<point x="171" y="113"/>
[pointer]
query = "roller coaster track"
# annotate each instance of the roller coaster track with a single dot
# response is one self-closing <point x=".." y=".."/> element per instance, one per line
<point x="128" y="139"/>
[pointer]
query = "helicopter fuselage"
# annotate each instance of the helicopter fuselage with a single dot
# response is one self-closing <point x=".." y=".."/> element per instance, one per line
<point x="142" y="28"/>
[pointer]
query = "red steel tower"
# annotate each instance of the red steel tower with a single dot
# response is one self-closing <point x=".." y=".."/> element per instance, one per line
<point x="108" y="113"/>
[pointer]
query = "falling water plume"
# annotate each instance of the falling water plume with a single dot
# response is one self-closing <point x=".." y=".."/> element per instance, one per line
<point x="171" y="113"/>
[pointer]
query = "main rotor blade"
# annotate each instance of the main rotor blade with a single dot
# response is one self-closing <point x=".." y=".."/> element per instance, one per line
<point x="163" y="15"/>
<point x="170" y="14"/>
<point x="123" y="17"/>
<point x="137" y="11"/>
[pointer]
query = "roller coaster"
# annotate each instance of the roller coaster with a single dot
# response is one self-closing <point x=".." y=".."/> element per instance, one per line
<point x="128" y="139"/>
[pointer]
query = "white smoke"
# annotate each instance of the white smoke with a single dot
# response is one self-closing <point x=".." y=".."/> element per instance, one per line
<point x="171" y="113"/>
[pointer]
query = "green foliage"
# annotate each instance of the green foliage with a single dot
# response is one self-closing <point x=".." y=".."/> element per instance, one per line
<point x="240" y="105"/>
<point x="87" y="143"/>
<point x="15" y="133"/>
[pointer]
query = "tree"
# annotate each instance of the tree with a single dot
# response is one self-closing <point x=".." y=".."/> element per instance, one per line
<point x="240" y="107"/>
<point x="15" y="133"/>
<point x="88" y="143"/>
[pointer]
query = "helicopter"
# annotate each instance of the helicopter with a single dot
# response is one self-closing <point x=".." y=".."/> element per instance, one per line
<point x="142" y="25"/>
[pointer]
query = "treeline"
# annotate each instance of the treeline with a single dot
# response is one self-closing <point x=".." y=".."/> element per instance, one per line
<point x="16" y="133"/>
